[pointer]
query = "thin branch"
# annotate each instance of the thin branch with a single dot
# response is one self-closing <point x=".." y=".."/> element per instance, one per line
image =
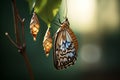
<point x="28" y="65"/>
<point x="10" y="39"/>
<point x="16" y="22"/>
<point x="23" y="33"/>
<point x="21" y="46"/>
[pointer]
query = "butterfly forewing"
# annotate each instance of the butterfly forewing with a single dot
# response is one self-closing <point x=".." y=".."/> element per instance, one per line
<point x="75" y="41"/>
<point x="64" y="48"/>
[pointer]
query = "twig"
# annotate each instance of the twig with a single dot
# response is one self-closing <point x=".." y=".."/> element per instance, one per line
<point x="10" y="39"/>
<point x="15" y="13"/>
<point x="23" y="34"/>
<point x="28" y="65"/>
<point x="21" y="45"/>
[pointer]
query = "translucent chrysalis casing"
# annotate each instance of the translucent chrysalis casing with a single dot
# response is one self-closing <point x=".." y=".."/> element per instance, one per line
<point x="47" y="42"/>
<point x="34" y="26"/>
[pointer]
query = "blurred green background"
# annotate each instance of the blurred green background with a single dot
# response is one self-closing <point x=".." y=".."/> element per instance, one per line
<point x="105" y="67"/>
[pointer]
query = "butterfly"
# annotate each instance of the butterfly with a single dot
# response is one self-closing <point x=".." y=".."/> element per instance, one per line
<point x="65" y="46"/>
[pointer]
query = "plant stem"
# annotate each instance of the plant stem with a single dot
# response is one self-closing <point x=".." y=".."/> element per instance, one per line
<point x="15" y="13"/>
<point x="21" y="45"/>
<point x="28" y="65"/>
<point x="10" y="39"/>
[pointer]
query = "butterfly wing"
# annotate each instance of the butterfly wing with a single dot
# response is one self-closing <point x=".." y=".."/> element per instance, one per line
<point x="75" y="41"/>
<point x="64" y="49"/>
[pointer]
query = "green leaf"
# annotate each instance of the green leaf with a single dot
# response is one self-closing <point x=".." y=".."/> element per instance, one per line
<point x="46" y="9"/>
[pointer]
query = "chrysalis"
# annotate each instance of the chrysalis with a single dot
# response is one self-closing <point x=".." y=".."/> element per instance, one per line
<point x="47" y="42"/>
<point x="65" y="46"/>
<point x="34" y="26"/>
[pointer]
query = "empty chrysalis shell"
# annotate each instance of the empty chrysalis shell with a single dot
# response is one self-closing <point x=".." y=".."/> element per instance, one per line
<point x="34" y="26"/>
<point x="47" y="42"/>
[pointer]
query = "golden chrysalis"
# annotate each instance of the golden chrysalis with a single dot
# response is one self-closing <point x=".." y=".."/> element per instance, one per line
<point x="34" y="26"/>
<point x="47" y="42"/>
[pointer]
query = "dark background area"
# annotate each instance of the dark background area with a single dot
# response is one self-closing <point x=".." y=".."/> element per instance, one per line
<point x="13" y="67"/>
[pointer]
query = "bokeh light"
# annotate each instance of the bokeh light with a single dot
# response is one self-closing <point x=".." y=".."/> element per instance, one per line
<point x="91" y="16"/>
<point x="90" y="53"/>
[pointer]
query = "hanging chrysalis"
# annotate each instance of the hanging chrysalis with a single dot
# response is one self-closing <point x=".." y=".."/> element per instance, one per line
<point x="47" y="42"/>
<point x="65" y="46"/>
<point x="34" y="26"/>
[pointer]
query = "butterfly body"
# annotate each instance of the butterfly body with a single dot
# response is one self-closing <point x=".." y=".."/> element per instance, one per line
<point x="65" y="47"/>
